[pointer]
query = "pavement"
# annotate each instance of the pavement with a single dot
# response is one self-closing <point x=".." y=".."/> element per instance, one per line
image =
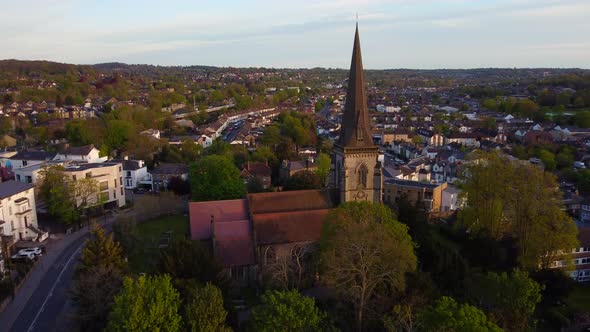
<point x="43" y="300"/>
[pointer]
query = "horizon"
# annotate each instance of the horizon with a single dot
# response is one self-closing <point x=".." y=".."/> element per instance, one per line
<point x="395" y="34"/>
<point x="299" y="68"/>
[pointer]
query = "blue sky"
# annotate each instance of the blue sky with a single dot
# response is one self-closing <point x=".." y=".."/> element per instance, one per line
<point x="302" y="33"/>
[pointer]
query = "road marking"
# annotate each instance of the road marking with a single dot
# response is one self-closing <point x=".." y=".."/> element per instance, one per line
<point x="53" y="288"/>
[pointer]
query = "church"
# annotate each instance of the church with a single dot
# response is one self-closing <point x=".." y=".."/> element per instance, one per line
<point x="356" y="171"/>
<point x="262" y="233"/>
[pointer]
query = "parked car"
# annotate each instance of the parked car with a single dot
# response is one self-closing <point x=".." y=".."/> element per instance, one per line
<point x="35" y="251"/>
<point x="24" y="256"/>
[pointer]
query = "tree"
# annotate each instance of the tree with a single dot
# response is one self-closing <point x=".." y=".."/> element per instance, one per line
<point x="449" y="316"/>
<point x="98" y="278"/>
<point x="101" y="250"/>
<point x="323" y="168"/>
<point x="303" y="180"/>
<point x="517" y="201"/>
<point x="187" y="259"/>
<point x="510" y="299"/>
<point x="216" y="178"/>
<point x="287" y="311"/>
<point x="93" y="294"/>
<point x="365" y="253"/>
<point x="55" y="191"/>
<point x="118" y="133"/>
<point x="204" y="311"/>
<point x="548" y="159"/>
<point x="77" y="133"/>
<point x="146" y="304"/>
<point x="582" y="119"/>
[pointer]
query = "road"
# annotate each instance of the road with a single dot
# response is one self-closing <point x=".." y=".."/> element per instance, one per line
<point x="48" y="307"/>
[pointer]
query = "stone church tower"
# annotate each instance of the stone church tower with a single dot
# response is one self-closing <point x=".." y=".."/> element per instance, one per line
<point x="356" y="170"/>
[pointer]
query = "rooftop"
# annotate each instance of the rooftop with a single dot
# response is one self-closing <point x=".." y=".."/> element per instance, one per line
<point x="415" y="184"/>
<point x="10" y="188"/>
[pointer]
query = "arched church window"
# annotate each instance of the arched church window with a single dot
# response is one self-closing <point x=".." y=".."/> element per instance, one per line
<point x="362" y="175"/>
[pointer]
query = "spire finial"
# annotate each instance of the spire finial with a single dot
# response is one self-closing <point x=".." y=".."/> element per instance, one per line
<point x="357" y="19"/>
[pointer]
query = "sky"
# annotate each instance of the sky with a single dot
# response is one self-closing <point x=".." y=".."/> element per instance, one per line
<point x="417" y="34"/>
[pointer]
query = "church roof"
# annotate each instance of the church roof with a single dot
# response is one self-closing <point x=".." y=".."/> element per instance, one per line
<point x="356" y="131"/>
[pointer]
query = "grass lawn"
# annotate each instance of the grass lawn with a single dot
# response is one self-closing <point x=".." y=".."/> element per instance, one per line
<point x="579" y="299"/>
<point x="146" y="253"/>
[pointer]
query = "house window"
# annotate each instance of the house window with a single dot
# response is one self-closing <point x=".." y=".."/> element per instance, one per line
<point x="128" y="173"/>
<point x="74" y="177"/>
<point x="122" y="191"/>
<point x="115" y="194"/>
<point x="104" y="185"/>
<point x="25" y="163"/>
<point x="88" y="175"/>
<point x="119" y="168"/>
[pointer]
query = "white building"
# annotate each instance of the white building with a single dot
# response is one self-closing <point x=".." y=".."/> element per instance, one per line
<point x="109" y="176"/>
<point x="30" y="174"/>
<point x="133" y="172"/>
<point x="87" y="154"/>
<point x="450" y="198"/>
<point x="18" y="215"/>
<point x="27" y="158"/>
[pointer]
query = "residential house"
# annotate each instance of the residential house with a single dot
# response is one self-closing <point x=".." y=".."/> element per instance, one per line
<point x="288" y="168"/>
<point x="30" y="174"/>
<point x="416" y="192"/>
<point x="163" y="173"/>
<point x="27" y="158"/>
<point x="18" y="214"/>
<point x="86" y="154"/>
<point x="430" y="137"/>
<point x="257" y="170"/>
<point x="134" y="171"/>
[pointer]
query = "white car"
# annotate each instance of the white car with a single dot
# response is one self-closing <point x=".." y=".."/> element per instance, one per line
<point x="35" y="251"/>
<point x="26" y="255"/>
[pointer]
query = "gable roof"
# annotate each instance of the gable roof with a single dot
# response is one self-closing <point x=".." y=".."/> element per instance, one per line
<point x="170" y="168"/>
<point x="286" y="201"/>
<point x="222" y="211"/>
<point x="78" y="150"/>
<point x="288" y="227"/>
<point x="33" y="155"/>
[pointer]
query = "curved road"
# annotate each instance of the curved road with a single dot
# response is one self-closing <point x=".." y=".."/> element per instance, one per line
<point x="47" y="309"/>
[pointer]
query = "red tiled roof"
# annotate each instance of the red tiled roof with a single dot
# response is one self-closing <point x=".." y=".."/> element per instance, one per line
<point x="285" y="201"/>
<point x="289" y="227"/>
<point x="222" y="211"/>
<point x="233" y="243"/>
<point x="257" y="169"/>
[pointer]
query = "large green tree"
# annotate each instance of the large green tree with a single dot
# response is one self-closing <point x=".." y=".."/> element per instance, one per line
<point x="146" y="304"/>
<point x="511" y="299"/>
<point x="323" y="168"/>
<point x="446" y="315"/>
<point x="56" y="192"/>
<point x="101" y="250"/>
<point x="365" y="255"/>
<point x="216" y="178"/>
<point x="518" y="201"/>
<point x="287" y="311"/>
<point x="303" y="180"/>
<point x="98" y="278"/>
<point x="204" y="311"/>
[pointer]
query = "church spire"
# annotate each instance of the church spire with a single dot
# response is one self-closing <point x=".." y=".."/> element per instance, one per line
<point x="356" y="132"/>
